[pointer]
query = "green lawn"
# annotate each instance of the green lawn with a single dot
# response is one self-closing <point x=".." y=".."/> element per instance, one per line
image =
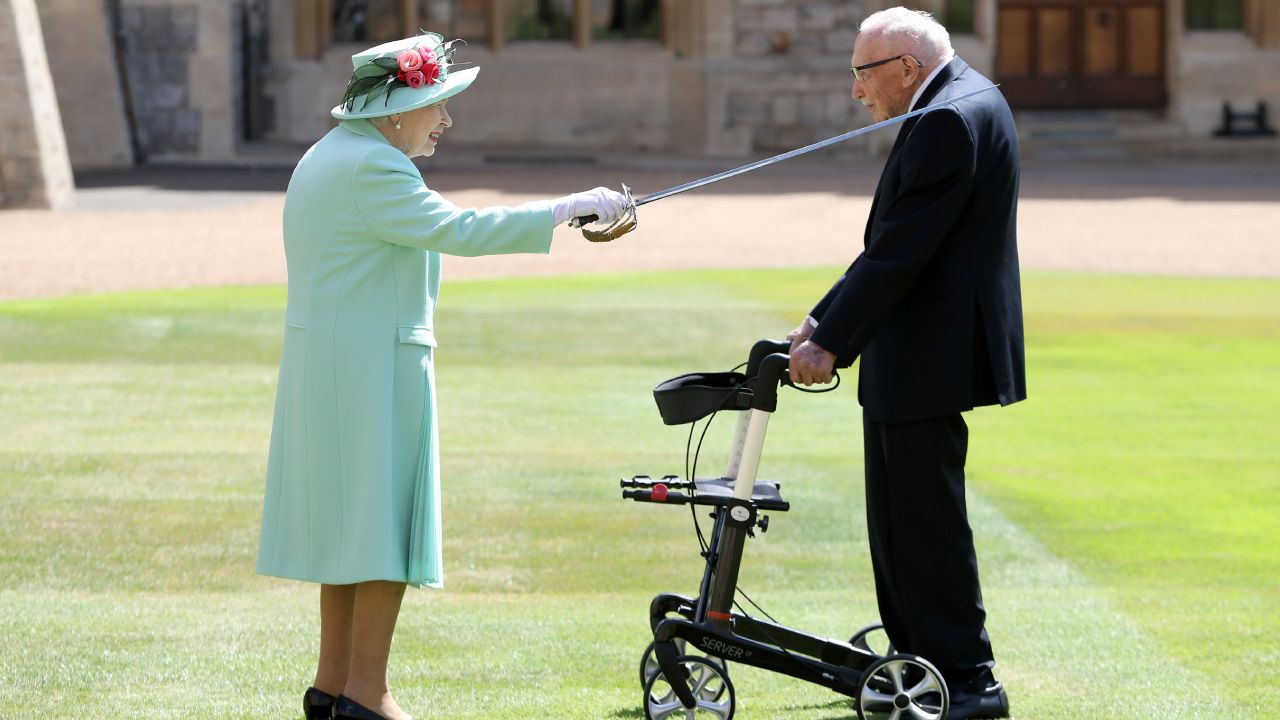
<point x="1127" y="515"/>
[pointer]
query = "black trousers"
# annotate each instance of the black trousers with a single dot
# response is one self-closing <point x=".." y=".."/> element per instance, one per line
<point x="926" y="571"/>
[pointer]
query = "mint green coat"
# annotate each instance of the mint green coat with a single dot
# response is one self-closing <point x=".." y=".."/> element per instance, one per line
<point x="353" y="476"/>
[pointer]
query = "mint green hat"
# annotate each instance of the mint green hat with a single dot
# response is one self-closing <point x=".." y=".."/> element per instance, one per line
<point x="385" y="77"/>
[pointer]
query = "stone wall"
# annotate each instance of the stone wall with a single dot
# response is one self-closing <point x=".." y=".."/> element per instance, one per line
<point x="1208" y="68"/>
<point x="82" y="60"/>
<point x="34" y="170"/>
<point x="1217" y="67"/>
<point x="791" y="81"/>
<point x="182" y="67"/>
<point x="159" y="42"/>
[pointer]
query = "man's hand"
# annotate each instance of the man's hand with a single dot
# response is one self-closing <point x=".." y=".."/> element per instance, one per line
<point x="800" y="334"/>
<point x="810" y="364"/>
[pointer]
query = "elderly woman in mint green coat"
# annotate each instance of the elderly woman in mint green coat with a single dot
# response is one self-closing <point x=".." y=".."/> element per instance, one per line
<point x="353" y="478"/>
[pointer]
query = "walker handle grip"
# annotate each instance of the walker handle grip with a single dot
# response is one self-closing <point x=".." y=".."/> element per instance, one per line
<point x="762" y="349"/>
<point x="774" y="369"/>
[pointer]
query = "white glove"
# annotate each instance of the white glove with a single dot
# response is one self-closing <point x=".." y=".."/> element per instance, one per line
<point x="602" y="202"/>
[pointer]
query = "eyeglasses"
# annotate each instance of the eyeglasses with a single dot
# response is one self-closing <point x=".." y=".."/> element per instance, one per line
<point x="860" y="71"/>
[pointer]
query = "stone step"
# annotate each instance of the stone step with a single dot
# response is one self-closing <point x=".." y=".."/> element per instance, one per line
<point x="1096" y="133"/>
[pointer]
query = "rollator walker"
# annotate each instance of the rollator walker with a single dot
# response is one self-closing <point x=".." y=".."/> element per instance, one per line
<point x="681" y="684"/>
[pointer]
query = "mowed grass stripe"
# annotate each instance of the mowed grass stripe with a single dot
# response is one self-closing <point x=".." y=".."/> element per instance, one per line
<point x="1061" y="640"/>
<point x="141" y="600"/>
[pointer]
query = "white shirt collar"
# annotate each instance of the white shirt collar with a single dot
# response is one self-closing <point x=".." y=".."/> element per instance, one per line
<point x="924" y="85"/>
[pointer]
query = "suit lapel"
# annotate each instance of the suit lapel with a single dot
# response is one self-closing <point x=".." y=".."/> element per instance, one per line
<point x="953" y="69"/>
<point x="949" y="72"/>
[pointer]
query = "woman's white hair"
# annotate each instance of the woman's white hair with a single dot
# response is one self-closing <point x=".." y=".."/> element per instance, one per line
<point x="925" y="37"/>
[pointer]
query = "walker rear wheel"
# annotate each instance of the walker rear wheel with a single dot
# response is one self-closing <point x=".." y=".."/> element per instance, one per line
<point x="873" y="639"/>
<point x="902" y="687"/>
<point x="712" y="692"/>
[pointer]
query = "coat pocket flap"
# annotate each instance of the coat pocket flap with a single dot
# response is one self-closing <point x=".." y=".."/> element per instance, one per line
<point x="411" y="335"/>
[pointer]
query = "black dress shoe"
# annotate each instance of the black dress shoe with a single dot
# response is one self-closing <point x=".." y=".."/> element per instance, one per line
<point x="317" y="705"/>
<point x="990" y="702"/>
<point x="348" y="709"/>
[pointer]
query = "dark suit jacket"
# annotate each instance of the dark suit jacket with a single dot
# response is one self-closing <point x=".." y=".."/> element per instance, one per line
<point x="933" y="304"/>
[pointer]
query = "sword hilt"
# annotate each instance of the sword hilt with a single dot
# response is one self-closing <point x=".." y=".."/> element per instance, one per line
<point x="582" y="220"/>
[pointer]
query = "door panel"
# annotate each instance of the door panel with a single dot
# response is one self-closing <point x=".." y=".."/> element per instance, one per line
<point x="1101" y="41"/>
<point x="1145" y="58"/>
<point x="1081" y="53"/>
<point x="1054" y="34"/>
<point x="1014" y="58"/>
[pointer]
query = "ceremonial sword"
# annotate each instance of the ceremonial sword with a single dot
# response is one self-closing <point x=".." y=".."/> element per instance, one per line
<point x="628" y="222"/>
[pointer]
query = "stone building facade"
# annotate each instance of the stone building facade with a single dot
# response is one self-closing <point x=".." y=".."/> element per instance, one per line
<point x="213" y="81"/>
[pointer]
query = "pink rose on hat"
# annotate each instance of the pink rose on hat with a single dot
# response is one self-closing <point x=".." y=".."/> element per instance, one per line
<point x="430" y="65"/>
<point x="414" y="79"/>
<point x="432" y="72"/>
<point x="409" y="60"/>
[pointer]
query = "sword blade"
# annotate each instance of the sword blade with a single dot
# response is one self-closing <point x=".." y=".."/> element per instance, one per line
<point x="801" y="151"/>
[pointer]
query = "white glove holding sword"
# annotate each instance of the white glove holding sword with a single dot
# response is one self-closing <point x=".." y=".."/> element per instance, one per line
<point x="607" y="205"/>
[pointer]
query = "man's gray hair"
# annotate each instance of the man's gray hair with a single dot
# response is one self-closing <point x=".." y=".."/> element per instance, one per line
<point x="924" y="37"/>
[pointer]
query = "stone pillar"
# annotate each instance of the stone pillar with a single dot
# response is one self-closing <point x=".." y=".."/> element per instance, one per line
<point x="700" y="34"/>
<point x="699" y="29"/>
<point x="34" y="170"/>
<point x="213" y="79"/>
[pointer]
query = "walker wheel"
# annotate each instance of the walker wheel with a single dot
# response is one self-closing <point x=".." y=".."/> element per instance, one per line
<point x="902" y="687"/>
<point x="873" y="639"/>
<point x="711" y="688"/>
<point x="649" y="663"/>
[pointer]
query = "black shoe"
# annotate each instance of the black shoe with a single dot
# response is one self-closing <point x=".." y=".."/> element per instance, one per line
<point x="348" y="709"/>
<point x="990" y="702"/>
<point x="317" y="705"/>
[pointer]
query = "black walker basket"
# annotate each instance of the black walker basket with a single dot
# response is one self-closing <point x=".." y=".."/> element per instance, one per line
<point x="685" y="670"/>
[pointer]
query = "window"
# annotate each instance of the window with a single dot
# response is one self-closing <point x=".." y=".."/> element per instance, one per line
<point x="321" y="23"/>
<point x="958" y="16"/>
<point x="1214" y="14"/>
<point x="466" y="19"/>
<point x="559" y="19"/>
<point x="627" y="19"/>
<point x="539" y="19"/>
<point x="367" y="21"/>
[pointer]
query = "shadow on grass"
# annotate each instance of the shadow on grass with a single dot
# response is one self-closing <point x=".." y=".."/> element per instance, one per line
<point x="841" y="706"/>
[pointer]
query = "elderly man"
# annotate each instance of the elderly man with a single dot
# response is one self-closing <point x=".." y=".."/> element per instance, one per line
<point x="933" y="307"/>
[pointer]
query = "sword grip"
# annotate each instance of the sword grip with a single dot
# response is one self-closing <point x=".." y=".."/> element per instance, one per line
<point x="583" y="220"/>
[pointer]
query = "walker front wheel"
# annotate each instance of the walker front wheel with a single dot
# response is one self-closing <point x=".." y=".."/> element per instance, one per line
<point x="649" y="663"/>
<point x="711" y="689"/>
<point x="902" y="687"/>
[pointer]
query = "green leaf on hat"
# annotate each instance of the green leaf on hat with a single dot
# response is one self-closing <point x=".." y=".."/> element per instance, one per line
<point x="359" y="86"/>
<point x="378" y="90"/>
<point x="386" y="63"/>
<point x="370" y="70"/>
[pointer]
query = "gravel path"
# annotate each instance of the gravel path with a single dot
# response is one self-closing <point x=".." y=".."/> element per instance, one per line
<point x="163" y="228"/>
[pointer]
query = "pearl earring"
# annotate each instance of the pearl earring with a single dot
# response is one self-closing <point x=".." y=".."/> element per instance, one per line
<point x="397" y="124"/>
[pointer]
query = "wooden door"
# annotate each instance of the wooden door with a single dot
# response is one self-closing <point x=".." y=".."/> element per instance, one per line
<point x="1081" y="53"/>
